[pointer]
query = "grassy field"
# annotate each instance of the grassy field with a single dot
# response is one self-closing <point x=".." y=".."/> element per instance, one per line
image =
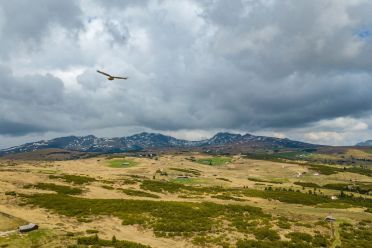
<point x="180" y="202"/>
<point x="39" y="238"/>
<point x="8" y="222"/>
<point x="121" y="163"/>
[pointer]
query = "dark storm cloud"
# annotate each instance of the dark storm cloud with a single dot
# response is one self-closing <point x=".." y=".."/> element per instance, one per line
<point x="17" y="129"/>
<point x="248" y="65"/>
<point x="27" y="22"/>
<point x="28" y="102"/>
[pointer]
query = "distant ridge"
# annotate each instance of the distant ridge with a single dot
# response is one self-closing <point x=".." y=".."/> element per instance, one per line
<point x="365" y="143"/>
<point x="143" y="141"/>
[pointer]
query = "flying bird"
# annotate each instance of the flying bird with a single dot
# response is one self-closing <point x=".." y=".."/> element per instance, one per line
<point x="109" y="77"/>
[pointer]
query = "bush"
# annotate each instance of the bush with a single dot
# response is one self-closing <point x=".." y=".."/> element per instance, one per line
<point x="269" y="244"/>
<point x="12" y="193"/>
<point x="75" y="179"/>
<point x="284" y="224"/>
<point x="133" y="192"/>
<point x="60" y="189"/>
<point x="299" y="236"/>
<point x="162" y="216"/>
<point x="309" y="185"/>
<point x="262" y="180"/>
<point x="189" y="171"/>
<point x="214" y="161"/>
<point x="265" y="233"/>
<point x="96" y="241"/>
<point x="227" y="197"/>
<point x="356" y="236"/>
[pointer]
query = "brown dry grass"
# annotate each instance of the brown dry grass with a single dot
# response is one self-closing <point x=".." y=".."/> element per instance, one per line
<point x="14" y="176"/>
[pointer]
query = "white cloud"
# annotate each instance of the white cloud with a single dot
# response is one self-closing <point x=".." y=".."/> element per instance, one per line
<point x="324" y="137"/>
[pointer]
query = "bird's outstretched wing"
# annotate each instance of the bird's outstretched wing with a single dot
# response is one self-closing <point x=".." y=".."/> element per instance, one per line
<point x="121" y="77"/>
<point x="104" y="73"/>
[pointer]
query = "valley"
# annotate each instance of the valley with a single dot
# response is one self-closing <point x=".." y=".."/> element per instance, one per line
<point x="184" y="199"/>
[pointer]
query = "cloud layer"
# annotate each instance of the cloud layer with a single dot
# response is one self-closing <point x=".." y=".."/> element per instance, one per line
<point x="297" y="68"/>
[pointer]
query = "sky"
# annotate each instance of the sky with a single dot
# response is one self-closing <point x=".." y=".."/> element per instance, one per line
<point x="295" y="69"/>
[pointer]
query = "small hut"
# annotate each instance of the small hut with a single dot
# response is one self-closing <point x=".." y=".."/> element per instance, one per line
<point x="28" y="228"/>
<point x="330" y="218"/>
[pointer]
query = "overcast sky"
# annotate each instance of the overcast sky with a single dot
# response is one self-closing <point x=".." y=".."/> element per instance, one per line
<point x="300" y="69"/>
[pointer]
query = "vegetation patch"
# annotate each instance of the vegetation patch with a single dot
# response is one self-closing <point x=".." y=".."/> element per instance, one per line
<point x="306" y="184"/>
<point x="60" y="189"/>
<point x="227" y="197"/>
<point x="11" y="193"/>
<point x="163" y="186"/>
<point x="95" y="241"/>
<point x="139" y="193"/>
<point x="38" y="238"/>
<point x="214" y="161"/>
<point x="223" y="179"/>
<point x="284" y="224"/>
<point x="358" y="188"/>
<point x="263" y="181"/>
<point x="280" y="194"/>
<point x="75" y="179"/>
<point x="175" y="218"/>
<point x="329" y="170"/>
<point x="122" y="163"/>
<point x="188" y="171"/>
<point x="108" y="187"/>
<point x="359" y="235"/>
<point x="185" y="180"/>
<point x="298" y="240"/>
<point x="176" y="187"/>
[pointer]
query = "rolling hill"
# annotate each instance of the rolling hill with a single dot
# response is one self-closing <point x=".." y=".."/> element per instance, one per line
<point x="365" y="143"/>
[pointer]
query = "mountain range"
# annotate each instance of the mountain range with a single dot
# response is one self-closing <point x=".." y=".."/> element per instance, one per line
<point x="365" y="143"/>
<point x="150" y="141"/>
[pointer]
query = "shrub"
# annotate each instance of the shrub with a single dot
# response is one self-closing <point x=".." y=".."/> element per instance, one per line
<point x="133" y="192"/>
<point x="162" y="216"/>
<point x="227" y="197"/>
<point x="108" y="187"/>
<point x="284" y="224"/>
<point x="310" y="185"/>
<point x="12" y="193"/>
<point x="189" y="171"/>
<point x="262" y="180"/>
<point x="355" y="236"/>
<point x="223" y="179"/>
<point x="299" y="236"/>
<point x="75" y="179"/>
<point x="214" y="161"/>
<point x="96" y="241"/>
<point x="265" y="233"/>
<point x="60" y="189"/>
